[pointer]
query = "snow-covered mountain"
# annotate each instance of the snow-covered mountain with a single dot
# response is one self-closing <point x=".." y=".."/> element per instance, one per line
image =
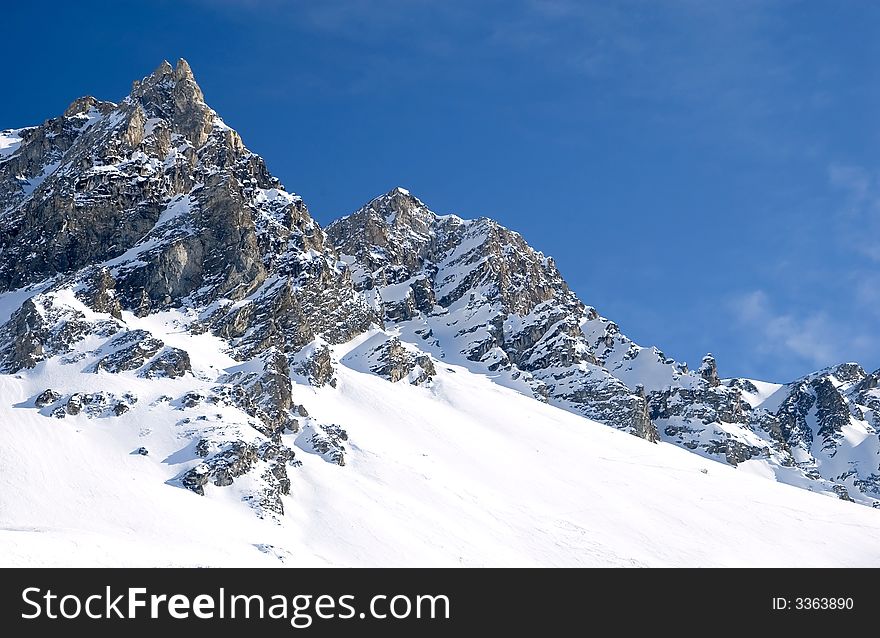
<point x="194" y="372"/>
<point x="476" y="294"/>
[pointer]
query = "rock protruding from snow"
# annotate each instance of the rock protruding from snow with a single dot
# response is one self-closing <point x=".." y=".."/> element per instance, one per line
<point x="49" y="324"/>
<point x="170" y="363"/>
<point x="128" y="351"/>
<point x="326" y="440"/>
<point x="314" y="364"/>
<point x="395" y="361"/>
<point x="474" y="292"/>
<point x="262" y="388"/>
<point x="708" y="371"/>
<point x="154" y="205"/>
<point x="239" y="458"/>
<point x="90" y="404"/>
<point x="46" y="397"/>
<point x="144" y="242"/>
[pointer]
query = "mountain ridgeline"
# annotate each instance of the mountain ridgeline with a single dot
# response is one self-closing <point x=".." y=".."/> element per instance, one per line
<point x="125" y="223"/>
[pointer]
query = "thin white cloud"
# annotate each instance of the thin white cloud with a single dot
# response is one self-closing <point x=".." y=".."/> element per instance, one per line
<point x="859" y="216"/>
<point x="867" y="293"/>
<point x="855" y="180"/>
<point x="716" y="62"/>
<point x="817" y="338"/>
<point x="408" y="20"/>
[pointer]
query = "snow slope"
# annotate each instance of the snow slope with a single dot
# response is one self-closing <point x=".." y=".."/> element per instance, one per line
<point x="9" y="142"/>
<point x="460" y="472"/>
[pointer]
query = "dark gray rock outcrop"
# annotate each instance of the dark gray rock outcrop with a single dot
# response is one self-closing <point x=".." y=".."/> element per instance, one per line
<point x="393" y="361"/>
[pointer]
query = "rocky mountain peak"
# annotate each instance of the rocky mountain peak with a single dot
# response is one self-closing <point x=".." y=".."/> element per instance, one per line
<point x="164" y="68"/>
<point x="160" y="186"/>
<point x="114" y="211"/>
<point x="117" y="211"/>
<point x="398" y="208"/>
<point x="709" y="370"/>
<point x="183" y="71"/>
<point x="870" y="382"/>
<point x="391" y="236"/>
<point x="503" y="306"/>
<point x="849" y="373"/>
<point x="166" y="73"/>
<point x="173" y="95"/>
<point x="82" y="106"/>
<point x="87" y="185"/>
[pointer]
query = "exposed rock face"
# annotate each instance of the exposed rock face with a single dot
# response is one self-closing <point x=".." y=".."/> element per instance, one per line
<point x="167" y="202"/>
<point x="829" y="421"/>
<point x="240" y="458"/>
<point x="97" y="290"/>
<point x="170" y="363"/>
<point x="326" y="440"/>
<point x="698" y="418"/>
<point x="743" y="385"/>
<point x="394" y="361"/>
<point x="129" y="351"/>
<point x="497" y="303"/>
<point x="708" y="371"/>
<point x="93" y="405"/>
<point x="74" y="404"/>
<point x="46" y="325"/>
<point x="46" y="397"/>
<point x="475" y="294"/>
<point x="814" y="396"/>
<point x="91" y="183"/>
<point x="263" y="390"/>
<point x="151" y="205"/>
<point x="315" y="365"/>
<point x="866" y="393"/>
<point x="130" y="231"/>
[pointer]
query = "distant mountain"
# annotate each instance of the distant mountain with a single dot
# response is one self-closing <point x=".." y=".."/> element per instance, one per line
<point x="172" y="317"/>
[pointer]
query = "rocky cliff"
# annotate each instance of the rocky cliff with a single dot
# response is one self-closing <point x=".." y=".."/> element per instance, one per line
<point x="154" y="207"/>
<point x="475" y="293"/>
<point x="143" y="241"/>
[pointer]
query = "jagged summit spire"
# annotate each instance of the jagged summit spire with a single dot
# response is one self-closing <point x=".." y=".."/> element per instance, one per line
<point x="398" y="193"/>
<point x="180" y="71"/>
<point x="83" y="105"/>
<point x="163" y="69"/>
<point x="183" y="71"/>
<point x="400" y="207"/>
<point x="708" y="370"/>
<point x="172" y="93"/>
<point x="170" y="77"/>
<point x="397" y="197"/>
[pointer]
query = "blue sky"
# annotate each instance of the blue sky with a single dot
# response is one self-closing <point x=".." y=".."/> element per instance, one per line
<point x="707" y="174"/>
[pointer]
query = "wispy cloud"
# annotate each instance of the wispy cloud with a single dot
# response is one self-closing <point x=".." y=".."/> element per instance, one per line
<point x="817" y="338"/>
<point x="713" y="65"/>
<point x="720" y="68"/>
<point x="859" y="215"/>
<point x="408" y="20"/>
<point x="867" y="292"/>
<point x="840" y="322"/>
<point x="811" y="338"/>
<point x="683" y="49"/>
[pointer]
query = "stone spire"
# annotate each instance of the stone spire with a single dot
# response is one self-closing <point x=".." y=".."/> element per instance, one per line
<point x="709" y="370"/>
<point x="172" y="94"/>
